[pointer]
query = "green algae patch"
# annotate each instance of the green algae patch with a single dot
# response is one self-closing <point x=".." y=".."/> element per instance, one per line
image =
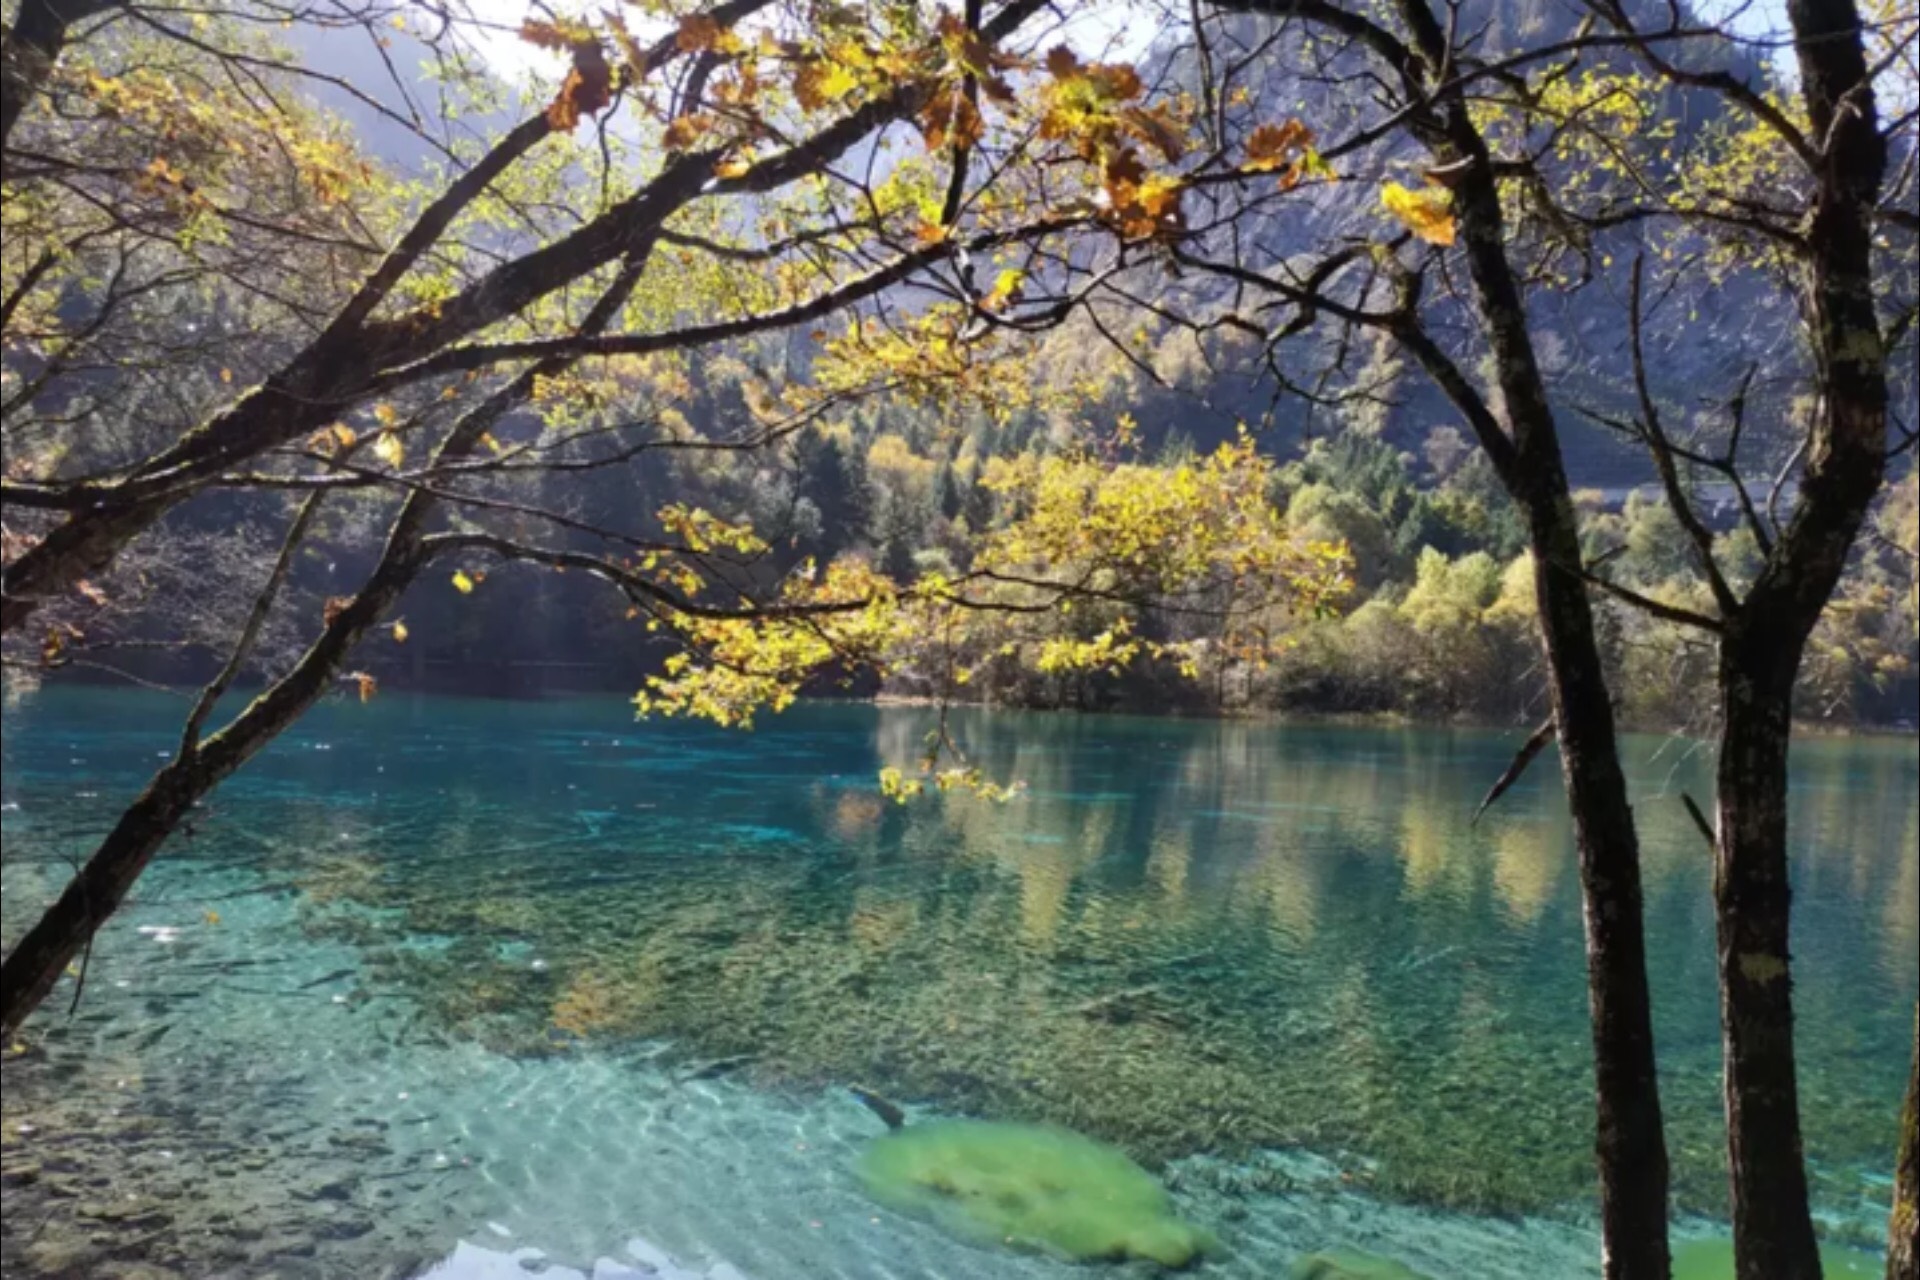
<point x="1713" y="1260"/>
<point x="1351" y="1264"/>
<point x="1030" y="1187"/>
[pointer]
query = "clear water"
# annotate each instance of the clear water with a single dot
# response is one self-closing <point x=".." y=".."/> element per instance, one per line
<point x="466" y="989"/>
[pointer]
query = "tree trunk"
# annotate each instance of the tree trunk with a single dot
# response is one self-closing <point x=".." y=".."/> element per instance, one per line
<point x="1903" y="1225"/>
<point x="1629" y="1141"/>
<point x="31" y="47"/>
<point x="36" y="962"/>
<point x="1763" y="643"/>
<point x="1772" y="1220"/>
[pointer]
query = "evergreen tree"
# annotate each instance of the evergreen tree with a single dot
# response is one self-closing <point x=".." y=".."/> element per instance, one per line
<point x="946" y="493"/>
<point x="977" y="507"/>
<point x="833" y="478"/>
<point x="896" y="560"/>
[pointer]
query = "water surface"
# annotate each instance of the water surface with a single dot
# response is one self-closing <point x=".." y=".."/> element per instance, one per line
<point x="533" y="977"/>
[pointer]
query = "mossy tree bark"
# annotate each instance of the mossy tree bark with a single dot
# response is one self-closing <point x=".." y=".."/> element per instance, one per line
<point x="1764" y="640"/>
<point x="1903" y="1224"/>
<point x="1630" y="1142"/>
<point x="1772" y="1222"/>
<point x="30" y="48"/>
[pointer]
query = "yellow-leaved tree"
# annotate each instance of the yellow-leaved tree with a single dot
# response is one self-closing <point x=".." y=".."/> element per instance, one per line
<point x="1105" y="564"/>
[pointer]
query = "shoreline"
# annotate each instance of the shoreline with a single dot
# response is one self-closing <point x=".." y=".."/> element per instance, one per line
<point x="1348" y="719"/>
<point x="1254" y="715"/>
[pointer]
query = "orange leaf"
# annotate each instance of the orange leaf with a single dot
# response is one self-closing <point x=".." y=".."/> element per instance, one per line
<point x="547" y="35"/>
<point x="949" y="117"/>
<point x="698" y="33"/>
<point x="1154" y="128"/>
<point x="635" y="56"/>
<point x="1276" y="146"/>
<point x="1116" y="80"/>
<point x="685" y="130"/>
<point x="1124" y="170"/>
<point x="588" y="87"/>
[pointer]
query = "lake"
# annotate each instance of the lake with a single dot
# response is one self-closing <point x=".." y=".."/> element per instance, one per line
<point x="467" y="989"/>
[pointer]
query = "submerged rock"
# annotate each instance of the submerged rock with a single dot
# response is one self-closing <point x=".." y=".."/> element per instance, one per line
<point x="1031" y="1187"/>
<point x="1352" y="1264"/>
<point x="1713" y="1260"/>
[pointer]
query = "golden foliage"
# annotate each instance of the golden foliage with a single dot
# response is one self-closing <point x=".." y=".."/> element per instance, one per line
<point x="1426" y="212"/>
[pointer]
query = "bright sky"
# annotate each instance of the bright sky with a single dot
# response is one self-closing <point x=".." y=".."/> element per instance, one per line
<point x="1107" y="29"/>
<point x="1113" y="29"/>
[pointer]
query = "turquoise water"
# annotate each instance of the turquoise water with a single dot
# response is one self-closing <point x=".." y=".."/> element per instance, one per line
<point x="442" y="987"/>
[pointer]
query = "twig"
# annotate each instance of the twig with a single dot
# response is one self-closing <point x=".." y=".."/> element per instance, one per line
<point x="1699" y="819"/>
<point x="1536" y="740"/>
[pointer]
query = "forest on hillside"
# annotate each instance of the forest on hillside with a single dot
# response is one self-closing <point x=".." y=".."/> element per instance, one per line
<point x="1435" y="618"/>
<point x="916" y="475"/>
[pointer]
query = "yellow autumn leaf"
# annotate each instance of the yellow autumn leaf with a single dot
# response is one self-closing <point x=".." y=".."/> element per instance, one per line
<point x="386" y="413"/>
<point x="1424" y="212"/>
<point x="462" y="583"/>
<point x="390" y="450"/>
<point x="1006" y="288"/>
<point x="400" y="633"/>
<point x="344" y="435"/>
<point x="698" y="33"/>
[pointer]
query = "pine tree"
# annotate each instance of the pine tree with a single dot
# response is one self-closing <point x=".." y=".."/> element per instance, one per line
<point x="834" y="479"/>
